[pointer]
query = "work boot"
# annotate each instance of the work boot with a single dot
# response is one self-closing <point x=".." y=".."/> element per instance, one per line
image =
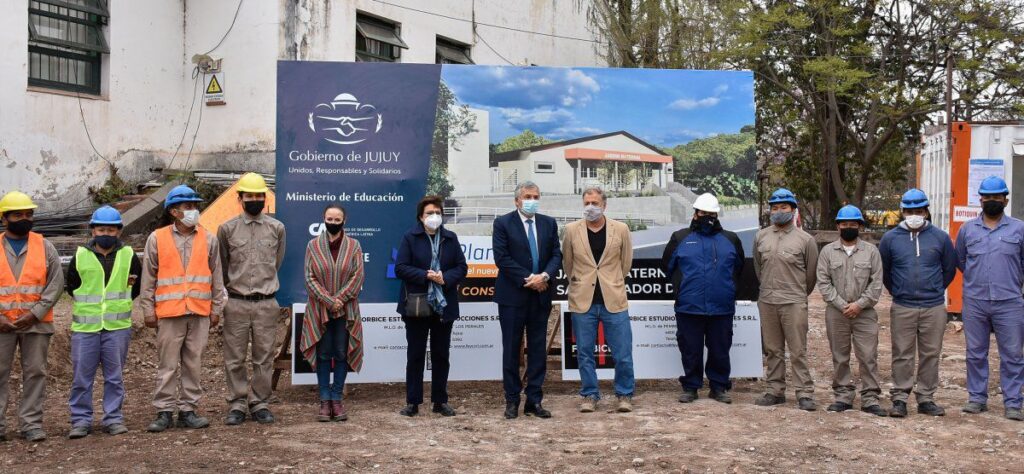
<point x="899" y="409"/>
<point x="511" y="410"/>
<point x="189" y="419"/>
<point x="974" y="408"/>
<point x="689" y="395"/>
<point x="79" y="432"/>
<point x="807" y="404"/>
<point x="875" y="409"/>
<point x="325" y="411"/>
<point x="115" y="429"/>
<point x="930" y="408"/>
<point x="625" y="404"/>
<point x="768" y="400"/>
<point x="721" y="396"/>
<point x="163" y="421"/>
<point x="444" y="409"/>
<point x="34" y="435"/>
<point x="839" y="407"/>
<point x="235" y="417"/>
<point x="410" y="410"/>
<point x="1014" y="414"/>
<point x="338" y="412"/>
<point x="588" y="405"/>
<point x="263" y="416"/>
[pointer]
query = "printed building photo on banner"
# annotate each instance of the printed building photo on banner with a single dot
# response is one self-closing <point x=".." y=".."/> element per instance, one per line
<point x="377" y="137"/>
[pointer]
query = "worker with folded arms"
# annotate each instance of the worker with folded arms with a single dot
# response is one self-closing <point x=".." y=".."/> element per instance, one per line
<point x="251" y="252"/>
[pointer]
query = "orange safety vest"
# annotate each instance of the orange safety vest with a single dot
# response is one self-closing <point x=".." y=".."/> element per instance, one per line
<point x="181" y="291"/>
<point x="17" y="295"/>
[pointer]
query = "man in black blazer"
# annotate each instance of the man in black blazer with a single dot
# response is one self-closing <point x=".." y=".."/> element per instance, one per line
<point x="528" y="255"/>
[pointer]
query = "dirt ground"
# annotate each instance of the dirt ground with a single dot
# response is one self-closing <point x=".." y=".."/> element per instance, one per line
<point x="660" y="435"/>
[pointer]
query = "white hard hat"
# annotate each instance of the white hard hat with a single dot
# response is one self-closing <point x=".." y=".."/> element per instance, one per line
<point x="707" y="202"/>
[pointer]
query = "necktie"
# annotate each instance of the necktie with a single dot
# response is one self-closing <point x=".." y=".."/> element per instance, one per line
<point x="534" y="253"/>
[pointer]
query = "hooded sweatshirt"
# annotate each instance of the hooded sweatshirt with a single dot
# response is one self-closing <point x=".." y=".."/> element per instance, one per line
<point x="917" y="266"/>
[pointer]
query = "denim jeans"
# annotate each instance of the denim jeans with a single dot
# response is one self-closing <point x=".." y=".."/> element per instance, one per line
<point x="619" y="337"/>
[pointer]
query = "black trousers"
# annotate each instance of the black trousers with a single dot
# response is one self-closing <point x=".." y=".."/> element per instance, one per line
<point x="533" y="318"/>
<point x="694" y="332"/>
<point x="417" y="331"/>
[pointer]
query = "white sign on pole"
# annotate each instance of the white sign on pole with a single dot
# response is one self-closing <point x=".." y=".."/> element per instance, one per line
<point x="655" y="350"/>
<point x="980" y="169"/>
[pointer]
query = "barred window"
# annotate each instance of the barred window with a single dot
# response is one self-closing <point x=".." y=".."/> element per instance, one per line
<point x="452" y="52"/>
<point x="66" y="44"/>
<point x="378" y="40"/>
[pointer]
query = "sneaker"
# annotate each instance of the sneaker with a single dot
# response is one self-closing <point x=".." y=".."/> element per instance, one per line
<point x="689" y="396"/>
<point x="930" y="408"/>
<point x="588" y="405"/>
<point x="839" y="407"/>
<point x="875" y="409"/>
<point x="79" y="432"/>
<point x="1014" y="414"/>
<point x="34" y="436"/>
<point x="189" y="419"/>
<point x="807" y="404"/>
<point x="263" y="416"/>
<point x="768" y="400"/>
<point x="974" y="408"/>
<point x="235" y="417"/>
<point x="115" y="429"/>
<point x="899" y="409"/>
<point x="162" y="422"/>
<point x="625" y="404"/>
<point x="721" y="396"/>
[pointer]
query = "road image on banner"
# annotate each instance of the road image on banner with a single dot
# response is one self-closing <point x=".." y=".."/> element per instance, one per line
<point x="377" y="137"/>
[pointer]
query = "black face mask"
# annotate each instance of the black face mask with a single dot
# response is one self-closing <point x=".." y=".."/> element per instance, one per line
<point x="22" y="227"/>
<point x="849" y="234"/>
<point x="333" y="229"/>
<point x="992" y="208"/>
<point x="253" y="208"/>
<point x="706" y="225"/>
<point x="106" y="242"/>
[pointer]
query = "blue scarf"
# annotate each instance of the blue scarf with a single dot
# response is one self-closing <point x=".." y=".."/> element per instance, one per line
<point x="435" y="293"/>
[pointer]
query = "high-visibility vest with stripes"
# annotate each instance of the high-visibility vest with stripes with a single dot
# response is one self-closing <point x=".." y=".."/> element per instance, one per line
<point x="180" y="290"/>
<point x="21" y="294"/>
<point x="98" y="307"/>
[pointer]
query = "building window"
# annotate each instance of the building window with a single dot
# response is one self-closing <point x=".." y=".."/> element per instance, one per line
<point x="452" y="52"/>
<point x="66" y="44"/>
<point x="543" y="167"/>
<point x="378" y="40"/>
<point x="588" y="171"/>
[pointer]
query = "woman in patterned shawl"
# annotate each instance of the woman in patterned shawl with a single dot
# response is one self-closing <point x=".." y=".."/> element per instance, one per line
<point x="332" y="333"/>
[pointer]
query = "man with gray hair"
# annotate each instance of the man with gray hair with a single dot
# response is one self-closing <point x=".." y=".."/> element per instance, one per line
<point x="597" y="255"/>
<point x="526" y="253"/>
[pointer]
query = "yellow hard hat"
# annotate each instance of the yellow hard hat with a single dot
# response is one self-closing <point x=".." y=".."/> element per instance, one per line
<point x="16" y="201"/>
<point x="252" y="183"/>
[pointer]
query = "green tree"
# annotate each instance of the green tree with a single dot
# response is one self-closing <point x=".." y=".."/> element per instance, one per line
<point x="451" y="124"/>
<point x="526" y="139"/>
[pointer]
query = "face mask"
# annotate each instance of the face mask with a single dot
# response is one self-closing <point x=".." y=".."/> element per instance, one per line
<point x="432" y="221"/>
<point x="190" y="218"/>
<point x="849" y="234"/>
<point x="253" y="208"/>
<point x="106" y="242"/>
<point x="992" y="208"/>
<point x="705" y="224"/>
<point x="530" y="207"/>
<point x="22" y="227"/>
<point x="781" y="218"/>
<point x="333" y="229"/>
<point x="592" y="213"/>
<point x="914" y="222"/>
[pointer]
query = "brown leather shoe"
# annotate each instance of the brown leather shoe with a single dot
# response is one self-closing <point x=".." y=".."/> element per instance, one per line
<point x="325" y="411"/>
<point x="338" y="412"/>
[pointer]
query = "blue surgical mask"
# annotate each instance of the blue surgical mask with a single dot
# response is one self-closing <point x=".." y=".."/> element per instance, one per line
<point x="530" y="206"/>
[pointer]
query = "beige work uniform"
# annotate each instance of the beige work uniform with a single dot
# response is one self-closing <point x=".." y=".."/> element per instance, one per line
<point x="251" y="252"/>
<point x="180" y="340"/>
<point x="34" y="342"/>
<point x="785" y="260"/>
<point x="844" y="279"/>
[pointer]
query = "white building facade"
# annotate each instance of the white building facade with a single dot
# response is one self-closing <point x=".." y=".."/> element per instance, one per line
<point x="120" y="74"/>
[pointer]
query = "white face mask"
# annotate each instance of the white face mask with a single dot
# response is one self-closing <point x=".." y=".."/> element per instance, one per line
<point x="914" y="222"/>
<point x="592" y="213"/>
<point x="432" y="221"/>
<point x="190" y="218"/>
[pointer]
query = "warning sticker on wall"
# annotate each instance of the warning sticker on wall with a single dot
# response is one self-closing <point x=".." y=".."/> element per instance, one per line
<point x="213" y="89"/>
<point x="979" y="170"/>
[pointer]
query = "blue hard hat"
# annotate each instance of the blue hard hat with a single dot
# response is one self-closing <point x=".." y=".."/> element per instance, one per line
<point x="849" y="212"/>
<point x="106" y="215"/>
<point x="179" y="194"/>
<point x="993" y="185"/>
<point x="782" y="195"/>
<point x="914" y="199"/>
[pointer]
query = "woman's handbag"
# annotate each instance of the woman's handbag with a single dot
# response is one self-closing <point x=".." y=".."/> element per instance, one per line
<point x="416" y="305"/>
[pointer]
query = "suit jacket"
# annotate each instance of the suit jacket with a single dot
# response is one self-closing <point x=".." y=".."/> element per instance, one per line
<point x="583" y="272"/>
<point x="512" y="257"/>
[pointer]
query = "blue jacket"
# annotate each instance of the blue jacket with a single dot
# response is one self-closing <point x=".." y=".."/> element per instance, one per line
<point x="512" y="257"/>
<point x="916" y="271"/>
<point x="704" y="269"/>
<point x="413" y="261"/>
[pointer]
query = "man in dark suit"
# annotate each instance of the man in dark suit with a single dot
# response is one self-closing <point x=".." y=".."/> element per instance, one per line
<point x="527" y="253"/>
